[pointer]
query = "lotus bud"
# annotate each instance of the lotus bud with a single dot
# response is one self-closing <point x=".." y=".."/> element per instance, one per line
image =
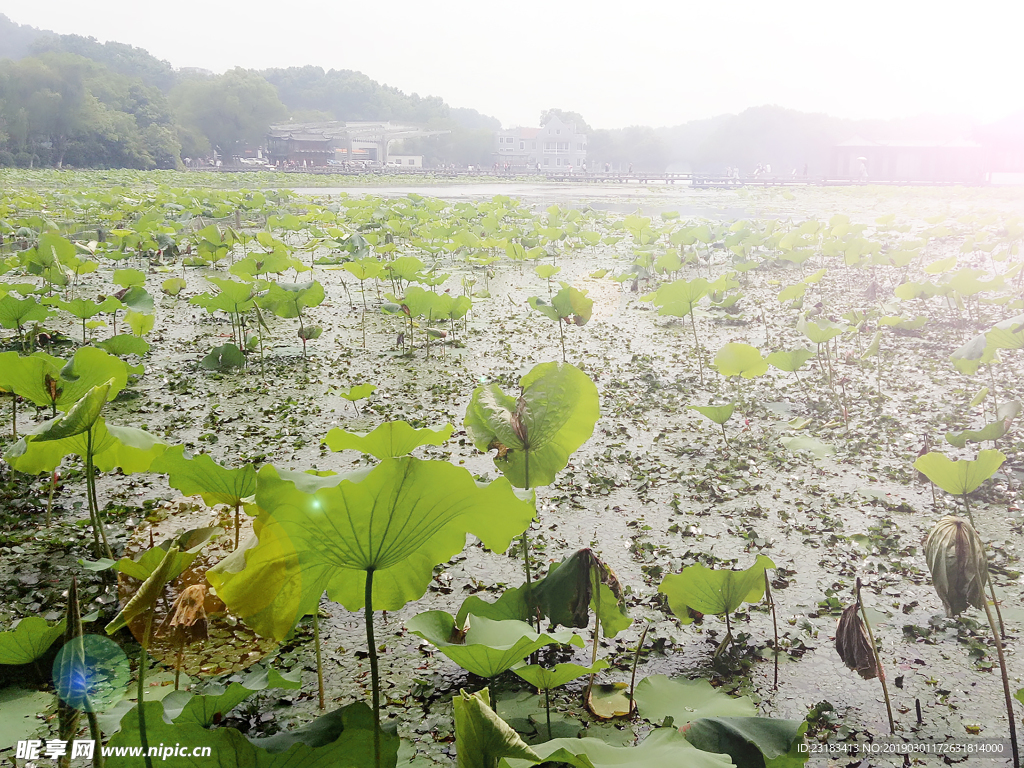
<point x="853" y="644"/>
<point x="956" y="557"/>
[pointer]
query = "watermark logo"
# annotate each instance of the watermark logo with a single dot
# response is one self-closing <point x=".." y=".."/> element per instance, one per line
<point x="91" y="673"/>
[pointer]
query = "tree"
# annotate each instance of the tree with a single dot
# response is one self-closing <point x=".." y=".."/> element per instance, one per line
<point x="231" y="110"/>
<point x="566" y="117"/>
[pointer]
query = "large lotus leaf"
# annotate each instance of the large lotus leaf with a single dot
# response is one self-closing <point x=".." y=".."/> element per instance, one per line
<point x="340" y="739"/>
<point x="717" y="413"/>
<point x="567" y="594"/>
<point x="399" y="520"/>
<point x="511" y="605"/>
<point x="83" y="308"/>
<point x="658" y="697"/>
<point x="821" y="332"/>
<point x="390" y="440"/>
<point x="959" y="477"/>
<point x="364" y="268"/>
<point x="713" y="591"/>
<point x="574" y="303"/>
<point x="48" y="380"/>
<point x="488" y="647"/>
<point x="481" y="737"/>
<point x="677" y="299"/>
<point x="536" y="434"/>
<point x="14" y="313"/>
<point x="234" y="297"/>
<point x="663" y="748"/>
<point x="1007" y="334"/>
<point x="736" y="359"/>
<point x="206" y="709"/>
<point x="546" y="678"/>
<point x="189" y="544"/>
<point x="124" y="344"/>
<point x="287" y="299"/>
<point x="29" y="640"/>
<point x="133" y="450"/>
<point x="751" y="741"/>
<point x="81" y="418"/>
<point x="992" y="431"/>
<point x="789" y="361"/>
<point x="201" y="475"/>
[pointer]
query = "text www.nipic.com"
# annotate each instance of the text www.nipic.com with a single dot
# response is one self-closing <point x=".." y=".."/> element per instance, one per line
<point x="162" y="752"/>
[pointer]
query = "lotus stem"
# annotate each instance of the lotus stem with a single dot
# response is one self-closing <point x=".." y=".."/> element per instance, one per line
<point x="14" y="415"/>
<point x="878" y="660"/>
<point x="561" y="335"/>
<point x="597" y="630"/>
<point x="97" y="737"/>
<point x="49" y="498"/>
<point x="238" y="523"/>
<point x="636" y="662"/>
<point x="319" y="660"/>
<point x="775" y="624"/>
<point x="547" y="709"/>
<point x="142" y="688"/>
<point x="991" y="586"/>
<point x="1006" y="687"/>
<point x="374" y="674"/>
<point x="696" y="347"/>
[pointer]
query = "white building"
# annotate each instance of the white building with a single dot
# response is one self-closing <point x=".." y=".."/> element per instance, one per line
<point x="553" y="146"/>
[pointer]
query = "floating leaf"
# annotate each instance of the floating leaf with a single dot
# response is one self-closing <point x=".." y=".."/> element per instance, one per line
<point x="752" y="741"/>
<point x="658" y="697"/>
<point x="663" y="748"/>
<point x="391" y="439"/>
<point x="30" y="640"/>
<point x="810" y="444"/>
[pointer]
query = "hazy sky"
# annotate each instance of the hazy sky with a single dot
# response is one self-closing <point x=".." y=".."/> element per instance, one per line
<point x="643" y="62"/>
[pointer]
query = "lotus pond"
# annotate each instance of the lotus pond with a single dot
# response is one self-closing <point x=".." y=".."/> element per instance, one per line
<point x="589" y="478"/>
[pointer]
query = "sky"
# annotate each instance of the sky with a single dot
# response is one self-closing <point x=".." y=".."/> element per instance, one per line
<point x="645" y="62"/>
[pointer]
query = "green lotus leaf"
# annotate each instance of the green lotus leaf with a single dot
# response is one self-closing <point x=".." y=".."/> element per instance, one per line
<point x="79" y="419"/>
<point x="399" y="520"/>
<point x="29" y="640"/>
<point x="821" y="332"/>
<point x="172" y="286"/>
<point x="364" y="268"/>
<point x="751" y="741"/>
<point x="810" y="444"/>
<point x="959" y="477"/>
<point x="992" y="431"/>
<point x="358" y="392"/>
<point x="571" y="590"/>
<point x="133" y="450"/>
<point x="50" y="382"/>
<point x="663" y="748"/>
<point x="223" y="358"/>
<point x="716" y="413"/>
<point x="488" y="647"/>
<point x="536" y="433"/>
<point x="789" y="361"/>
<point x="201" y="475"/>
<point x="15" y="313"/>
<point x="340" y="739"/>
<point x="234" y="297"/>
<point x="288" y="299"/>
<point x="546" y="678"/>
<point x="390" y="440"/>
<point x="481" y="737"/>
<point x="713" y="591"/>
<point x="129" y="277"/>
<point x="678" y="298"/>
<point x="735" y="359"/>
<point x="140" y="322"/>
<point x="1007" y="334"/>
<point x="511" y="605"/>
<point x="658" y="697"/>
<point x="124" y="344"/>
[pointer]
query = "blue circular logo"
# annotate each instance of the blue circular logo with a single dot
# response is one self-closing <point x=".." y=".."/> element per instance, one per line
<point x="91" y="673"/>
